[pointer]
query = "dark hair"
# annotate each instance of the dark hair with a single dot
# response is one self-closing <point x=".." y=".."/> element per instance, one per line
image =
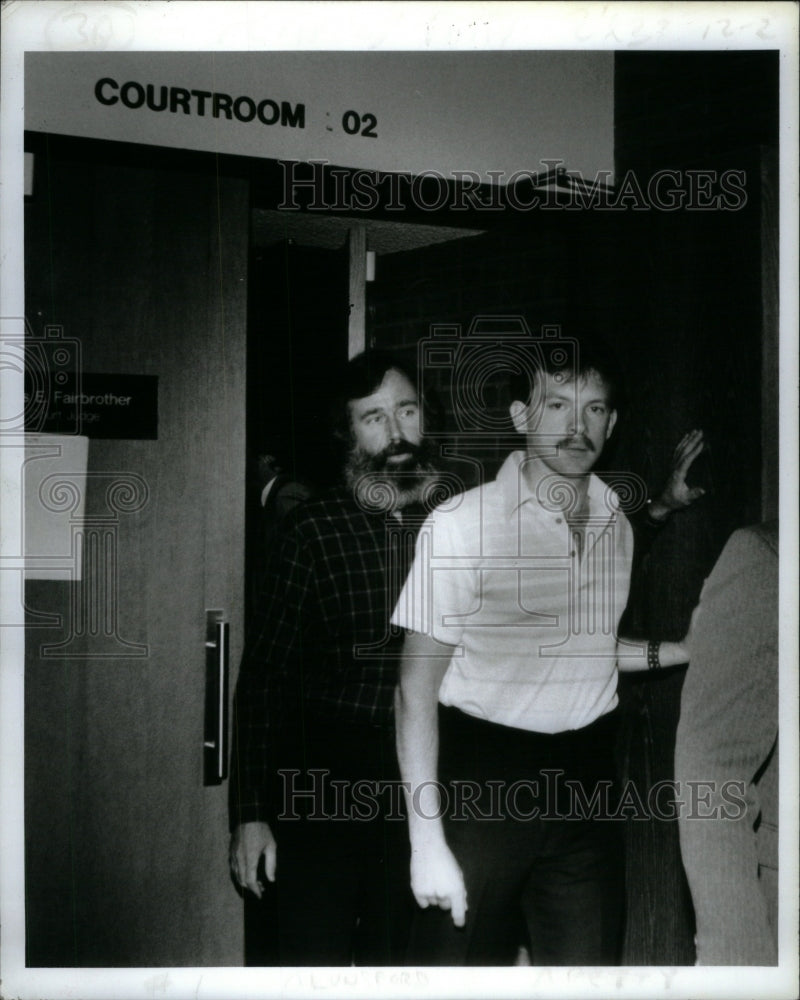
<point x="584" y="355"/>
<point x="281" y="451"/>
<point x="362" y="376"/>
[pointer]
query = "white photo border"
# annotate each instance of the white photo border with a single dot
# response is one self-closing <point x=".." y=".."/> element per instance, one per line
<point x="157" y="25"/>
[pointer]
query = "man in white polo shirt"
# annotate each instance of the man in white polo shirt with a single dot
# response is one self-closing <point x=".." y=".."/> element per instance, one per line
<point x="505" y="704"/>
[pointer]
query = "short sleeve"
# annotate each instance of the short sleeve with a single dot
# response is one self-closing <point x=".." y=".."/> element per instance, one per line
<point x="440" y="590"/>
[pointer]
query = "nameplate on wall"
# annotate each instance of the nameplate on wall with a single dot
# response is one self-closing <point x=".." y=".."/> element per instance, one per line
<point x="95" y="405"/>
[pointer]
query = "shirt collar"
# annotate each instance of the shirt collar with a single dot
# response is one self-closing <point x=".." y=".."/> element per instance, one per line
<point x="516" y="489"/>
<point x="514" y="484"/>
<point x="267" y="490"/>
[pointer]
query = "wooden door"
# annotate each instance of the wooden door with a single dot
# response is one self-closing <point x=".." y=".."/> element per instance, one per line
<point x="143" y="260"/>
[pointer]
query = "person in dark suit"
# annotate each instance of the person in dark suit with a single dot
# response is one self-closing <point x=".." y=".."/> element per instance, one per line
<point x="278" y="492"/>
<point x="727" y="744"/>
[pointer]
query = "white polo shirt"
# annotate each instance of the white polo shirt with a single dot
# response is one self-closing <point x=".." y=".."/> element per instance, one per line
<point x="533" y="619"/>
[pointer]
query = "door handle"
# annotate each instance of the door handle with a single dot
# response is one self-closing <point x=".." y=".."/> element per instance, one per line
<point x="215" y="734"/>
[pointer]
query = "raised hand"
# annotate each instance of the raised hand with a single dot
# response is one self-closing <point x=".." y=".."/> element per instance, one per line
<point x="676" y="494"/>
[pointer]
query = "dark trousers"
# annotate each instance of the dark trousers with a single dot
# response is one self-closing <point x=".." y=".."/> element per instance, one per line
<point x="539" y="860"/>
<point x="342" y="886"/>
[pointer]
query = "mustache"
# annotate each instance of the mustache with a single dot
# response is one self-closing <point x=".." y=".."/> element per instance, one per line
<point x="579" y="439"/>
<point x="378" y="462"/>
<point x="400" y="448"/>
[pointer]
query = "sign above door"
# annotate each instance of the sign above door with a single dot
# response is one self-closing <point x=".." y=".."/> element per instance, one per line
<point x="470" y="116"/>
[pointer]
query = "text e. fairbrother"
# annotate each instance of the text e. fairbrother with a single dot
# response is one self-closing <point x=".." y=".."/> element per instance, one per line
<point x="199" y="102"/>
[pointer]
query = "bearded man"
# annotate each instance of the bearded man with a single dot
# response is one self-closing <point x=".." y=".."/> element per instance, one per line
<point x="314" y="786"/>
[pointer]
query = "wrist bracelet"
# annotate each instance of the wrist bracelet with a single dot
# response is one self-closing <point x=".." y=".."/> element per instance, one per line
<point x="653" y="659"/>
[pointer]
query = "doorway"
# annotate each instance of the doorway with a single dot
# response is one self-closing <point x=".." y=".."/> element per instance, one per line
<point x="141" y="259"/>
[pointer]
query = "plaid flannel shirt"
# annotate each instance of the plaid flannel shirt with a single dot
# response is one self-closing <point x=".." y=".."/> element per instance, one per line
<point x="322" y="645"/>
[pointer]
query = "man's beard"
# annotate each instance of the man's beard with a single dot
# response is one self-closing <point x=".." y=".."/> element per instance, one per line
<point x="379" y="484"/>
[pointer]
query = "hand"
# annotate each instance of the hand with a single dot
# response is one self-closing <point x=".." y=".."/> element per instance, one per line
<point x="248" y="842"/>
<point x="436" y="880"/>
<point x="676" y="495"/>
<point x="672" y="653"/>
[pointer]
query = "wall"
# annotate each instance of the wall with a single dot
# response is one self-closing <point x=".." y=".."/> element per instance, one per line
<point x="712" y="321"/>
